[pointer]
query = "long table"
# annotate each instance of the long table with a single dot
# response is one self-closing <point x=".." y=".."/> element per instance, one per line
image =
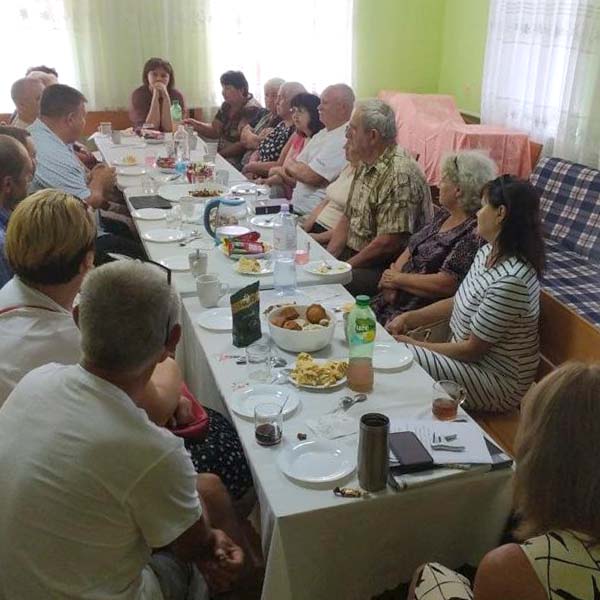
<point x="322" y="546"/>
<point x="217" y="261"/>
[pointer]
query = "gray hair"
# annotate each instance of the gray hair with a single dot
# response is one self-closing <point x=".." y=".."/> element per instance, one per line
<point x="470" y="171"/>
<point x="22" y="88"/>
<point x="126" y="312"/>
<point x="293" y="88"/>
<point x="344" y="94"/>
<point x="377" y="115"/>
<point x="274" y="82"/>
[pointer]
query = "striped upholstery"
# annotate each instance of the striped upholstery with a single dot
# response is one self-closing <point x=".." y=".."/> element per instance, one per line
<point x="570" y="204"/>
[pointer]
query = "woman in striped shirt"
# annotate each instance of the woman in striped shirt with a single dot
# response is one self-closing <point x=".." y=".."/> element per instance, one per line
<point x="494" y="348"/>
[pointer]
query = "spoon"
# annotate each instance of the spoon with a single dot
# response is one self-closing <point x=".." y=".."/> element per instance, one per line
<point x="348" y="401"/>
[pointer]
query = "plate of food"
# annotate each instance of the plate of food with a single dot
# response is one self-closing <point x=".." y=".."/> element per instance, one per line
<point x="327" y="267"/>
<point x="226" y="250"/>
<point x="318" y="373"/>
<point x="317" y="461"/>
<point x="129" y="160"/>
<point x="244" y="401"/>
<point x="175" y="191"/>
<point x="254" y="266"/>
<point x="301" y="328"/>
<point x="166" y="164"/>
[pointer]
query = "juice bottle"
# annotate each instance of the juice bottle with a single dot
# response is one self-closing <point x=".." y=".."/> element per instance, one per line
<point x="361" y="329"/>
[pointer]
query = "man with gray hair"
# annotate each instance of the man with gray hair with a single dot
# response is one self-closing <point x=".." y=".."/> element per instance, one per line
<point x="323" y="158"/>
<point x="86" y="475"/>
<point x="26" y="93"/>
<point x="388" y="201"/>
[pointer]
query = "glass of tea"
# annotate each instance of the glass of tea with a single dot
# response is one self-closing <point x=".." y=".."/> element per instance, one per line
<point x="268" y="424"/>
<point x="447" y="397"/>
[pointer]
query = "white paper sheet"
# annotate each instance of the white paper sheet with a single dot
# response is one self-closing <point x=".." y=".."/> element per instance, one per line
<point x="468" y="435"/>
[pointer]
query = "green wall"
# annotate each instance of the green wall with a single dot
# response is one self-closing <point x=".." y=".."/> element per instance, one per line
<point x="463" y="51"/>
<point x="423" y="46"/>
<point x="397" y="45"/>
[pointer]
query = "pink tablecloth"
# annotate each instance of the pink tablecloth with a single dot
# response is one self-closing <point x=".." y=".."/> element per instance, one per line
<point x="430" y="125"/>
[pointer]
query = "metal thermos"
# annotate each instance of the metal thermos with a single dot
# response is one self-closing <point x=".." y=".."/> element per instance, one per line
<point x="373" y="452"/>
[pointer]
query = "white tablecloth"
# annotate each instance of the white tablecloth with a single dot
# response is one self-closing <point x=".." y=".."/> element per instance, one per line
<point x="218" y="262"/>
<point x="321" y="546"/>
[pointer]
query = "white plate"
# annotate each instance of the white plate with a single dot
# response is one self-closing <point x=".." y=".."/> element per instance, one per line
<point x="244" y="401"/>
<point x="176" y="263"/>
<point x="174" y="191"/>
<point x="131" y="171"/>
<point x="149" y="214"/>
<point x="120" y="163"/>
<point x="216" y="319"/>
<point x="338" y="267"/>
<point x="305" y="386"/>
<point x="264" y="221"/>
<point x="317" y="461"/>
<point x="391" y="356"/>
<point x="164" y="235"/>
<point x="153" y="141"/>
<point x="266" y="268"/>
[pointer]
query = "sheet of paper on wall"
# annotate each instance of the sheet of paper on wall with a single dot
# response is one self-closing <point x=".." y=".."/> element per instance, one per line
<point x="468" y="435"/>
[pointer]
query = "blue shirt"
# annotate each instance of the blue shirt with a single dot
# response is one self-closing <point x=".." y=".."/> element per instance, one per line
<point x="57" y="164"/>
<point x="5" y="270"/>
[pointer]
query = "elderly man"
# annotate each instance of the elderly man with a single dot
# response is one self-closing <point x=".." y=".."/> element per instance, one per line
<point x="61" y="123"/>
<point x="252" y="136"/>
<point x="26" y="93"/>
<point x="323" y="158"/>
<point x="388" y="201"/>
<point x="16" y="171"/>
<point x="86" y="475"/>
<point x="270" y="148"/>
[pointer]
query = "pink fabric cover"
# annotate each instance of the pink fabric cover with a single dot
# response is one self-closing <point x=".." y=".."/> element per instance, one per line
<point x="430" y="125"/>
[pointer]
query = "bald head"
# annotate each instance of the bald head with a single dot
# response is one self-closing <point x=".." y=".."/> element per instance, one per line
<point x="284" y="99"/>
<point x="336" y="105"/>
<point x="26" y="93"/>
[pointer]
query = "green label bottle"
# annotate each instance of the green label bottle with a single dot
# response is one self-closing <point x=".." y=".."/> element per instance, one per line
<point x="361" y="330"/>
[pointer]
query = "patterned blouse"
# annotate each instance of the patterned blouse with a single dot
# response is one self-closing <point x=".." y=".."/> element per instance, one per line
<point x="433" y="251"/>
<point x="270" y="148"/>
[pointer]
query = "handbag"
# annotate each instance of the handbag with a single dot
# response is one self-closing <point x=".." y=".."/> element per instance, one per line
<point x="198" y="428"/>
<point x="436" y="332"/>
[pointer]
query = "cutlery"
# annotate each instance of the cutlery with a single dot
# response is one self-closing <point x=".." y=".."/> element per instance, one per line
<point x="347" y="401"/>
<point x="193" y="235"/>
<point x="276" y="361"/>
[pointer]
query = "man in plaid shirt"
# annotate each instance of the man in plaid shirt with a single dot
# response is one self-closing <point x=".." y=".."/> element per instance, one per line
<point x="389" y="199"/>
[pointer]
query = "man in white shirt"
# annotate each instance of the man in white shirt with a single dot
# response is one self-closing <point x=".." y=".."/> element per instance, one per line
<point x="26" y="93"/>
<point x="323" y="158"/>
<point x="90" y="486"/>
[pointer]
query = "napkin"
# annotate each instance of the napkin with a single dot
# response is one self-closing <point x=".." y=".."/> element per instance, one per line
<point x="333" y="426"/>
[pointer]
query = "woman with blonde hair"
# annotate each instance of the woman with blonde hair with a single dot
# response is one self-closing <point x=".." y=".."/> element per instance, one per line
<point x="556" y="496"/>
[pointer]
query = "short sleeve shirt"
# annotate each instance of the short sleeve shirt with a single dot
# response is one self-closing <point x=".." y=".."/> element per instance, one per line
<point x="231" y="119"/>
<point x="389" y="196"/>
<point x="91" y="479"/>
<point x="270" y="148"/>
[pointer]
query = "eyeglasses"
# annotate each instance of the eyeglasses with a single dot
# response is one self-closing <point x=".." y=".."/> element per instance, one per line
<point x="456" y="166"/>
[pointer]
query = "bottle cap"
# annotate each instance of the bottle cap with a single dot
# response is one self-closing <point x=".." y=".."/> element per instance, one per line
<point x="362" y="300"/>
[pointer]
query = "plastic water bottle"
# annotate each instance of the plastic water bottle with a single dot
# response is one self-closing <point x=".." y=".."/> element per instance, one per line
<point x="361" y="329"/>
<point x="284" y="251"/>
<point x="182" y="145"/>
<point x="176" y="112"/>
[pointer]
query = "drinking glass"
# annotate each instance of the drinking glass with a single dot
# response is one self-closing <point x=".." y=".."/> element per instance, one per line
<point x="222" y="177"/>
<point x="148" y="184"/>
<point x="258" y="361"/>
<point x="106" y="128"/>
<point x="188" y="206"/>
<point x="303" y="252"/>
<point x="173" y="218"/>
<point x="447" y="397"/>
<point x="268" y="424"/>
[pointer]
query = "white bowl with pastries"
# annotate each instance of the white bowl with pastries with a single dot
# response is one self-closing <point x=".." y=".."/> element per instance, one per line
<point x="301" y="328"/>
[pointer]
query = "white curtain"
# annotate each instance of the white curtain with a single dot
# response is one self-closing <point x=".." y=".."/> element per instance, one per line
<point x="309" y="41"/>
<point x="34" y="32"/>
<point x="542" y="73"/>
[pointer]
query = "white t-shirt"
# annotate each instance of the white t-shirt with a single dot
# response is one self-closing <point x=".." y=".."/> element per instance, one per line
<point x="325" y="155"/>
<point x="33" y="333"/>
<point x="89" y="485"/>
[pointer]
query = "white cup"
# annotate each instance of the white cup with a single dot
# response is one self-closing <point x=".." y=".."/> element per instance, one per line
<point x="116" y="137"/>
<point x="210" y="289"/>
<point x="105" y="128"/>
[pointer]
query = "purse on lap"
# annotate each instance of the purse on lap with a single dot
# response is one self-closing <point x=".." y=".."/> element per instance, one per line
<point x="438" y="331"/>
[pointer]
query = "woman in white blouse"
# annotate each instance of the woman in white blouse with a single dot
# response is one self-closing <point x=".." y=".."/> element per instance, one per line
<point x="321" y="222"/>
<point x="494" y="349"/>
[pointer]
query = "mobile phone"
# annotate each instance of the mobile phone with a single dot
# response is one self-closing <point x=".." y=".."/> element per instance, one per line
<point x="410" y="453"/>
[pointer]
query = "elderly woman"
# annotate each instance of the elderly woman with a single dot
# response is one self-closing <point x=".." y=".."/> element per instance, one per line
<point x="557" y="494"/>
<point x="226" y="125"/>
<point x="252" y="136"/>
<point x="151" y="102"/>
<point x="321" y="222"/>
<point x="270" y="149"/>
<point x="494" y="316"/>
<point x="37" y="327"/>
<point x="438" y="256"/>
<point x="305" y="119"/>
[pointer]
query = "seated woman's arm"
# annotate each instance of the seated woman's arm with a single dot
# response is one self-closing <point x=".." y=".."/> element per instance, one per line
<point x="470" y="350"/>
<point x="407" y="321"/>
<point x="263" y="168"/>
<point x="433" y="285"/>
<point x="235" y="149"/>
<point x="209" y="130"/>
